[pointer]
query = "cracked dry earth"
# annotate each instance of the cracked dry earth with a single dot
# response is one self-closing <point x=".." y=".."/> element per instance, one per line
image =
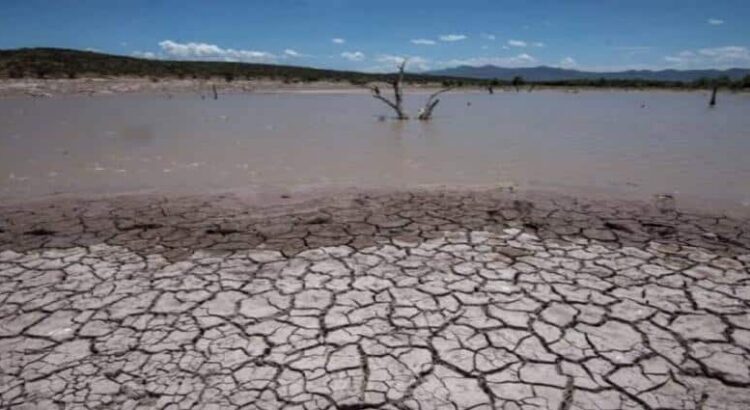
<point x="423" y="300"/>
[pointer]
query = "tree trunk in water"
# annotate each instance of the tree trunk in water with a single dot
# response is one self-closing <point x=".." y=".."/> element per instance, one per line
<point x="712" y="103"/>
<point x="398" y="98"/>
<point x="397" y="103"/>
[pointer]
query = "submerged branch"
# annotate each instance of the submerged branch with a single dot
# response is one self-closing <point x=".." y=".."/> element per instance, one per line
<point x="432" y="101"/>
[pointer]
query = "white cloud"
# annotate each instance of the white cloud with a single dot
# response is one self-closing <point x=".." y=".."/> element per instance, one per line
<point x="717" y="57"/>
<point x="390" y="59"/>
<point x="524" y="58"/>
<point x="423" y="42"/>
<point x="490" y="37"/>
<point x="715" y="22"/>
<point x="568" y="62"/>
<point x="204" y="51"/>
<point x="353" y="56"/>
<point x="389" y="62"/>
<point x="728" y="53"/>
<point x="292" y="53"/>
<point x="338" y="40"/>
<point x="520" y="60"/>
<point x="452" y="37"/>
<point x="521" y="43"/>
<point x="144" y="54"/>
<point x="681" y="58"/>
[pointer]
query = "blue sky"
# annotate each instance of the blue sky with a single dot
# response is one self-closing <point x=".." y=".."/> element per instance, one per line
<point x="369" y="35"/>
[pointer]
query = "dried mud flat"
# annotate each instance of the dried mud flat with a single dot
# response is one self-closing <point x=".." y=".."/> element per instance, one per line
<point x="401" y="300"/>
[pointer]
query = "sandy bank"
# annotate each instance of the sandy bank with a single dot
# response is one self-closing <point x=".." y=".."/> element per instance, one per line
<point x="125" y="85"/>
<point x="42" y="88"/>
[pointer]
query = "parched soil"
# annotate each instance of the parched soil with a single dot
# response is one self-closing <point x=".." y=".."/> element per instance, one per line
<point x="389" y="300"/>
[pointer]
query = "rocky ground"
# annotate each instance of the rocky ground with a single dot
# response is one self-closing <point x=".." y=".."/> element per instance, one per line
<point x="409" y="300"/>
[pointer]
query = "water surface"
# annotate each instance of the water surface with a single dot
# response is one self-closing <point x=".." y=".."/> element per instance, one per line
<point x="637" y="143"/>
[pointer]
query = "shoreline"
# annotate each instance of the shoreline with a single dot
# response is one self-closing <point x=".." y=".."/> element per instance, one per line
<point x="17" y="218"/>
<point x="270" y="195"/>
<point x="97" y="86"/>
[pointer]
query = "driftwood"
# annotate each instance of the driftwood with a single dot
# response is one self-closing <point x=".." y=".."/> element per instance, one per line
<point x="432" y="101"/>
<point x="397" y="103"/>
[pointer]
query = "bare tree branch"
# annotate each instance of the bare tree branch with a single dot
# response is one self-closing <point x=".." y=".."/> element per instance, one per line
<point x="398" y="98"/>
<point x="432" y="102"/>
<point x="376" y="94"/>
<point x="397" y="103"/>
<point x="401" y="68"/>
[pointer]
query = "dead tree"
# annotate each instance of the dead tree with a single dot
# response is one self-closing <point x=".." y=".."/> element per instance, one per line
<point x="517" y="82"/>
<point x="712" y="103"/>
<point x="432" y="101"/>
<point x="398" y="98"/>
<point x="397" y="103"/>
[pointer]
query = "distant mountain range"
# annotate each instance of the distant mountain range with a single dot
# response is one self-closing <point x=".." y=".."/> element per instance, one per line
<point x="544" y="73"/>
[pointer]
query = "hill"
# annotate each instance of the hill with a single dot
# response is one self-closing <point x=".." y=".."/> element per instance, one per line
<point x="552" y="74"/>
<point x="65" y="63"/>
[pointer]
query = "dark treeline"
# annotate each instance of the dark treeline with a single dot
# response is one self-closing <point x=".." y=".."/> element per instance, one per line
<point x="63" y="63"/>
<point x="722" y="82"/>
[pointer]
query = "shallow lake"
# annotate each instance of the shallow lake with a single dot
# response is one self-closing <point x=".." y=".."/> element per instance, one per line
<point x="634" y="143"/>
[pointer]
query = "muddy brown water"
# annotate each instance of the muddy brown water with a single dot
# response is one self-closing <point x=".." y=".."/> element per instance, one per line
<point x="635" y="144"/>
